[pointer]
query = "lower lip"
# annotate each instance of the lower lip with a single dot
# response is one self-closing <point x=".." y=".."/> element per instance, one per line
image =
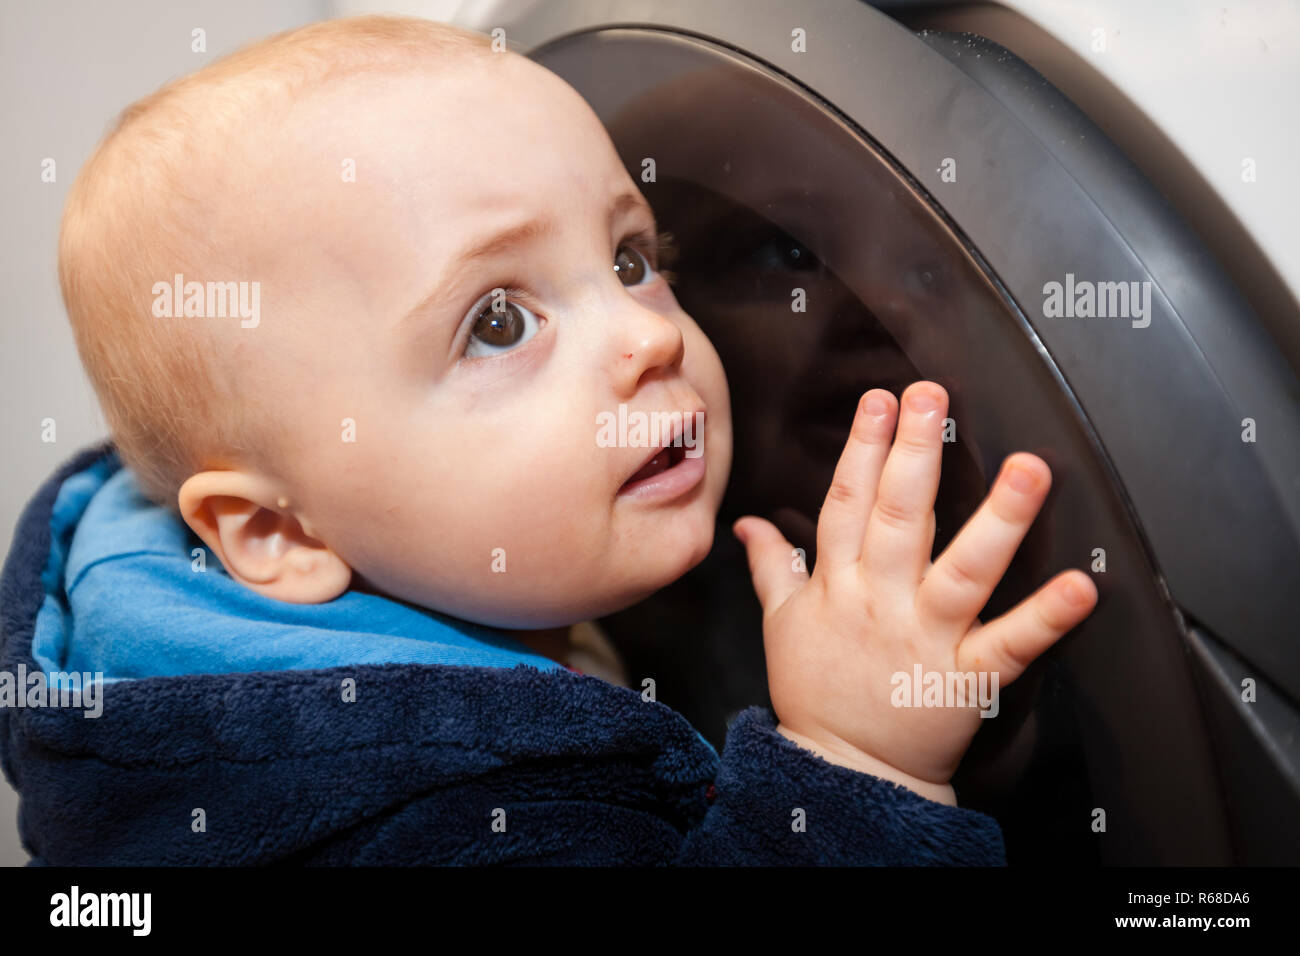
<point x="667" y="485"/>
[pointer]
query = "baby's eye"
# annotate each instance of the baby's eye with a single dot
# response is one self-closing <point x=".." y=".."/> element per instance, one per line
<point x="631" y="265"/>
<point x="783" y="251"/>
<point x="500" y="326"/>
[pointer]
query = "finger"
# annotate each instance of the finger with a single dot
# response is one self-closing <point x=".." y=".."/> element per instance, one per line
<point x="842" y="523"/>
<point x="897" y="545"/>
<point x="1010" y="643"/>
<point x="775" y="568"/>
<point x="964" y="576"/>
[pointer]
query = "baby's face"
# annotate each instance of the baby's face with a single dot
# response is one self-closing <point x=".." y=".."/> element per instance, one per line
<point x="475" y="432"/>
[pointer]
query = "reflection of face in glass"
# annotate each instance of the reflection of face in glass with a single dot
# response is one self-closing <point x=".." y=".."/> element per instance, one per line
<point x="799" y="348"/>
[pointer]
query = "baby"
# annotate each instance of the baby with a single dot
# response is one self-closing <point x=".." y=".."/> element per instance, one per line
<point x="457" y="281"/>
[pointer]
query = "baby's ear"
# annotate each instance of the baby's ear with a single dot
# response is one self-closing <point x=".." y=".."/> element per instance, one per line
<point x="260" y="540"/>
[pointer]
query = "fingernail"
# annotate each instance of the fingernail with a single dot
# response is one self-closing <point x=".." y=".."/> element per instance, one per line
<point x="923" y="401"/>
<point x="875" y="404"/>
<point x="1021" y="479"/>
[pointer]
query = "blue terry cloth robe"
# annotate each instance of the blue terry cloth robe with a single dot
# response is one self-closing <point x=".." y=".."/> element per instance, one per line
<point x="227" y="734"/>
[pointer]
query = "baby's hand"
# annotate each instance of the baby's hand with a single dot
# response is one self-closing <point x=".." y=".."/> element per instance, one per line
<point x="875" y="605"/>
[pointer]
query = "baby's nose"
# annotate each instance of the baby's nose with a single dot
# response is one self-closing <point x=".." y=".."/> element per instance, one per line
<point x="644" y="343"/>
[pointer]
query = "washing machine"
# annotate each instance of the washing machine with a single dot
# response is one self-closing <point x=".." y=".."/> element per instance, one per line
<point x="863" y="197"/>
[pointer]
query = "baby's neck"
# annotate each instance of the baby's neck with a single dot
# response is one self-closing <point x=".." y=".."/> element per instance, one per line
<point x="550" y="642"/>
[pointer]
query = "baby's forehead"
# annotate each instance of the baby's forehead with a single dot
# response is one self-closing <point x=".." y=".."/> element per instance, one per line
<point x="385" y="181"/>
<point x="476" y="103"/>
<point x="497" y="130"/>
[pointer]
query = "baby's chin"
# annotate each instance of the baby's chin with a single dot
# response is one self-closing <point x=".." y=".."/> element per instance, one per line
<point x="601" y="599"/>
<point x="640" y="552"/>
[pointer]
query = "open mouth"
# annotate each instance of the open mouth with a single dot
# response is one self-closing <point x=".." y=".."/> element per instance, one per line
<point x="665" y="458"/>
<point x="671" y="468"/>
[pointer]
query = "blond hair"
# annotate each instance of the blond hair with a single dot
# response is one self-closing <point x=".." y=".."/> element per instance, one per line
<point x="137" y="214"/>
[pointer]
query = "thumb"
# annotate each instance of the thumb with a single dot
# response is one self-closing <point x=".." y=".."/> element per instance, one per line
<point x="772" y="563"/>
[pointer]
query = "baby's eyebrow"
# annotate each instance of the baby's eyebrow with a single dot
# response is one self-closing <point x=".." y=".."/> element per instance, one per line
<point x="502" y="242"/>
<point x="534" y="229"/>
<point x="508" y="239"/>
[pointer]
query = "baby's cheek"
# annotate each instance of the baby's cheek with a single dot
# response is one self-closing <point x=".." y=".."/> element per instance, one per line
<point x="540" y="543"/>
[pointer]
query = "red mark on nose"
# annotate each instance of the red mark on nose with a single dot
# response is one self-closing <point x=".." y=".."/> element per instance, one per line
<point x="628" y="355"/>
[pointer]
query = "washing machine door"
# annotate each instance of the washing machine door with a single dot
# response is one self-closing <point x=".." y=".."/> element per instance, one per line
<point x="854" y="209"/>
